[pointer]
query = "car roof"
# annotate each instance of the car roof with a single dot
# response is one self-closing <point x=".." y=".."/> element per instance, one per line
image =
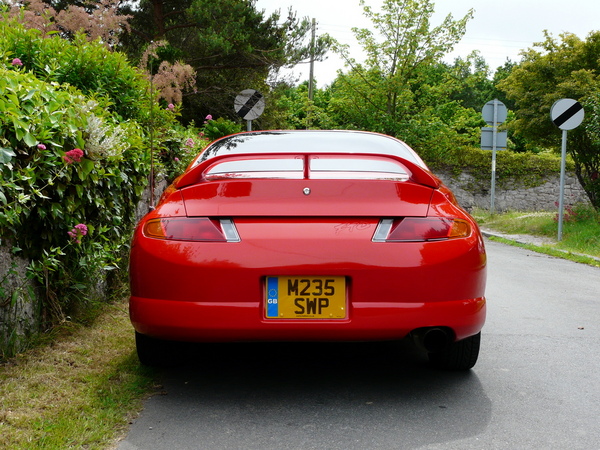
<point x="317" y="141"/>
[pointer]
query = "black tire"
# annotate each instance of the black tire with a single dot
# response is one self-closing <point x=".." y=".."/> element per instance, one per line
<point x="156" y="352"/>
<point x="460" y="355"/>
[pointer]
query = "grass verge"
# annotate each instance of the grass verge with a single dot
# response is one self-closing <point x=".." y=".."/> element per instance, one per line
<point x="580" y="238"/>
<point x="78" y="391"/>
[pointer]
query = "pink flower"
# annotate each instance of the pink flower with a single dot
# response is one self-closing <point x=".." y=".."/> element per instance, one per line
<point x="72" y="156"/>
<point x="170" y="106"/>
<point x="189" y="142"/>
<point x="176" y="159"/>
<point x="209" y="117"/>
<point x="41" y="146"/>
<point x="16" y="62"/>
<point x="78" y="232"/>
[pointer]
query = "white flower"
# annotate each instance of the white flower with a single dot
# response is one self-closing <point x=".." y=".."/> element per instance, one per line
<point x="105" y="141"/>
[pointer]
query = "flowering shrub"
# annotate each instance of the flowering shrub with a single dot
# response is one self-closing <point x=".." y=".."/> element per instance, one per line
<point x="171" y="80"/>
<point x="98" y="20"/>
<point x="105" y="141"/>
<point x="48" y="180"/>
<point x="78" y="232"/>
<point x="180" y="147"/>
<point x="75" y="149"/>
<point x="73" y="156"/>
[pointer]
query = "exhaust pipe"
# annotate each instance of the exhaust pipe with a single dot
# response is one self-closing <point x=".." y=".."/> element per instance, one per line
<point x="433" y="340"/>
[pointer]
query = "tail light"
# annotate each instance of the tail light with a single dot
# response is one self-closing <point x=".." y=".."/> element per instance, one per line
<point x="421" y="229"/>
<point x="192" y="229"/>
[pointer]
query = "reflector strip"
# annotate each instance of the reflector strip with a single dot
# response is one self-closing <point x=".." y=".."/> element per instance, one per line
<point x="229" y="230"/>
<point x="383" y="230"/>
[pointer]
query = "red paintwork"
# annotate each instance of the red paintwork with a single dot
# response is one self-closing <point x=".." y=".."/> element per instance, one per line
<point x="338" y="198"/>
<point x="214" y="291"/>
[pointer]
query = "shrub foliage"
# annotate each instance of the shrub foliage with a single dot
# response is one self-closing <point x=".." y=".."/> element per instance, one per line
<point x="77" y="125"/>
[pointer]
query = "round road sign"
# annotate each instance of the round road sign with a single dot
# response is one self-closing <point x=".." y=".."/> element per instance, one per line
<point x="249" y="104"/>
<point x="488" y="112"/>
<point x="567" y="113"/>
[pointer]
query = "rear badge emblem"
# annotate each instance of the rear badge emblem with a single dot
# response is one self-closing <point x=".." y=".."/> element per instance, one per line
<point x="306" y="191"/>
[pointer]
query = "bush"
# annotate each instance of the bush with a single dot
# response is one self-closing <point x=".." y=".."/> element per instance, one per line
<point x="215" y="129"/>
<point x="48" y="184"/>
<point x="88" y="66"/>
<point x="529" y="168"/>
<point x="76" y="129"/>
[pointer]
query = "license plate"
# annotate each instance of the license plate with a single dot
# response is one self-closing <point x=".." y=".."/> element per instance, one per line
<point x="306" y="298"/>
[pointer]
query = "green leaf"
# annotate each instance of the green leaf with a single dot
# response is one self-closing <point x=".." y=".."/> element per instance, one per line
<point x="87" y="165"/>
<point x="15" y="297"/>
<point x="29" y="139"/>
<point x="29" y="95"/>
<point x="57" y="212"/>
<point x="6" y="154"/>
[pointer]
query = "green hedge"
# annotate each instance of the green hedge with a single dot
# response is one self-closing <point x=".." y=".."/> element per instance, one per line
<point x="77" y="126"/>
<point x="44" y="194"/>
<point x="530" y="169"/>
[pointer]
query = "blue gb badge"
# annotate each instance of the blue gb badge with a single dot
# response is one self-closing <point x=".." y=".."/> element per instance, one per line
<point x="272" y="297"/>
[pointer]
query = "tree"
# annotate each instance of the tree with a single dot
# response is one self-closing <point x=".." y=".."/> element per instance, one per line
<point x="402" y="87"/>
<point x="301" y="112"/>
<point x="229" y="43"/>
<point x="564" y="68"/>
<point x="472" y="75"/>
<point x="408" y="44"/>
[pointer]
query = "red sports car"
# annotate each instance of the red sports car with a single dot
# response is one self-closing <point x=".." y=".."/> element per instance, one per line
<point x="308" y="236"/>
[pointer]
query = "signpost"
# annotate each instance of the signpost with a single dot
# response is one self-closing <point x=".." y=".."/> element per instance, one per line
<point x="249" y="105"/>
<point x="494" y="113"/>
<point x="566" y="114"/>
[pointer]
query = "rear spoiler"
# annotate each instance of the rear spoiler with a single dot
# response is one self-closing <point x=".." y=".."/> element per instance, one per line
<point x="417" y="174"/>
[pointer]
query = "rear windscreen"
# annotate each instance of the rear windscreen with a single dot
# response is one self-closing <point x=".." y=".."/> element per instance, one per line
<point x="359" y="168"/>
<point x="258" y="168"/>
<point x="320" y="167"/>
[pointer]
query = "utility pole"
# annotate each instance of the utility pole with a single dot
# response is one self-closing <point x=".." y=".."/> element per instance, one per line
<point x="312" y="60"/>
<point x="311" y="77"/>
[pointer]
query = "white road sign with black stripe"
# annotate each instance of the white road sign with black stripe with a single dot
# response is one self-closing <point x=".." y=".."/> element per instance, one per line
<point x="249" y="104"/>
<point x="567" y="114"/>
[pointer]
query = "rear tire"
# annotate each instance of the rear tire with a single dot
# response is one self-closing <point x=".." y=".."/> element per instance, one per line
<point x="460" y="355"/>
<point x="156" y="352"/>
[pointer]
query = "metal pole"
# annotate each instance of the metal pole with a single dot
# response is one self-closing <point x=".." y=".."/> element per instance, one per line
<point x="494" y="140"/>
<point x="562" y="184"/>
<point x="248" y="125"/>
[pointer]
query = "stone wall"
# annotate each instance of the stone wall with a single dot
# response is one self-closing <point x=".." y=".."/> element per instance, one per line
<point x="512" y="194"/>
<point x="20" y="305"/>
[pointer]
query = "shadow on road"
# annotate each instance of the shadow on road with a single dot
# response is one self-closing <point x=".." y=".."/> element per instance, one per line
<point x="310" y="395"/>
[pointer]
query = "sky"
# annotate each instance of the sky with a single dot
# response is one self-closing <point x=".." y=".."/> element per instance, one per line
<point x="500" y="29"/>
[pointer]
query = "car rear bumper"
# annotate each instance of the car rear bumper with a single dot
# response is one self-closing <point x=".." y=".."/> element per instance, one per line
<point x="244" y="321"/>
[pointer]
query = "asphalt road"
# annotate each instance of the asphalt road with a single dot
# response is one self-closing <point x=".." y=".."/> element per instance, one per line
<point x="536" y="384"/>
